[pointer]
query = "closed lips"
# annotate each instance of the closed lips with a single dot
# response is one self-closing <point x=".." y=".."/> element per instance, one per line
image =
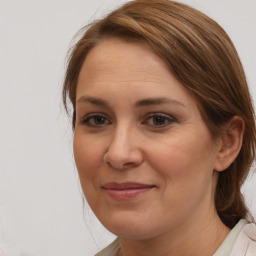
<point x="126" y="186"/>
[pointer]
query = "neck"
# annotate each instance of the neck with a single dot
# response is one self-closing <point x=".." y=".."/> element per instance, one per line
<point x="201" y="237"/>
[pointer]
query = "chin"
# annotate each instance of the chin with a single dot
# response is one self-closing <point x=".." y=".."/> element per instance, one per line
<point x="129" y="227"/>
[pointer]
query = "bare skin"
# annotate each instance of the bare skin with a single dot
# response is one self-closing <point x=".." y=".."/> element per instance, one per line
<point x="147" y="162"/>
<point x="196" y="240"/>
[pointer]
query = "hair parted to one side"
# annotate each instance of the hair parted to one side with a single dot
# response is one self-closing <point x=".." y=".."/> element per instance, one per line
<point x="202" y="57"/>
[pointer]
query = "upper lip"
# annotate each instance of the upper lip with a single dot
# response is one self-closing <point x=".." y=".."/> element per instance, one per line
<point x="126" y="185"/>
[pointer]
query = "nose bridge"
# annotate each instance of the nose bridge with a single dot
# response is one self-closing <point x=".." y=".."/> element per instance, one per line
<point x="122" y="140"/>
<point x="123" y="150"/>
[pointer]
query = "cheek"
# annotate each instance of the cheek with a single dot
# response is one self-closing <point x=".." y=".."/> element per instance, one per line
<point x="186" y="175"/>
<point x="183" y="161"/>
<point x="88" y="157"/>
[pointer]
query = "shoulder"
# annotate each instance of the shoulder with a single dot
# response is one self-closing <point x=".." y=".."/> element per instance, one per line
<point x="245" y="244"/>
<point x="110" y="250"/>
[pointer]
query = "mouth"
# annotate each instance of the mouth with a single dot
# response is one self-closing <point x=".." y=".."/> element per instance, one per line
<point x="127" y="190"/>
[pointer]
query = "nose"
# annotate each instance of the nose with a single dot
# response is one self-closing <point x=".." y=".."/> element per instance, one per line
<point x="124" y="151"/>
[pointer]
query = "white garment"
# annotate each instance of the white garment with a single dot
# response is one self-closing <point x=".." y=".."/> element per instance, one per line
<point x="246" y="242"/>
<point x="111" y="250"/>
<point x="241" y="241"/>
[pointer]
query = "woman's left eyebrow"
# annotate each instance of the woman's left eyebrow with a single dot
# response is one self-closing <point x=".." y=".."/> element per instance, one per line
<point x="158" y="101"/>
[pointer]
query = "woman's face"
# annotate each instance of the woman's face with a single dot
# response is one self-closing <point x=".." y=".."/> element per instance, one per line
<point x="144" y="155"/>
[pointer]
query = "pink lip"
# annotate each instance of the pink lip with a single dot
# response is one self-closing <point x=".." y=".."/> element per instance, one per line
<point x="127" y="190"/>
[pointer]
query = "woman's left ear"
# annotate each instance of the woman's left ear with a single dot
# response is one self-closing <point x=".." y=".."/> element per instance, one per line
<point x="230" y="143"/>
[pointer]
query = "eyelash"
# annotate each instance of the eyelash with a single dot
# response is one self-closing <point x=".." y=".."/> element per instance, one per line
<point x="161" y="117"/>
<point x="92" y="117"/>
<point x="98" y="117"/>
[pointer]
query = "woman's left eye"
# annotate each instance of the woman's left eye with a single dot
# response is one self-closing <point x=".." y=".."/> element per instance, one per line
<point x="159" y="120"/>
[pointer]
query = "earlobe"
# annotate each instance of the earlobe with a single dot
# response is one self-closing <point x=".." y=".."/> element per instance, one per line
<point x="230" y="143"/>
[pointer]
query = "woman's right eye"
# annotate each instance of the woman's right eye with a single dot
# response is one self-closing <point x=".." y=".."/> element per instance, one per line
<point x="95" y="121"/>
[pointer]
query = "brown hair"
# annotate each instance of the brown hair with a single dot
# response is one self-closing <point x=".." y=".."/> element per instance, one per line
<point x="202" y="57"/>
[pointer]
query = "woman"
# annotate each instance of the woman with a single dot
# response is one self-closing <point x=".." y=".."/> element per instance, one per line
<point x="164" y="131"/>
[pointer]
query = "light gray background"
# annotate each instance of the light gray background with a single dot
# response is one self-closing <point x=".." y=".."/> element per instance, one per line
<point x="41" y="212"/>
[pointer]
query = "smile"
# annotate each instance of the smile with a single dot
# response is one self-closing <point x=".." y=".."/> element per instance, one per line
<point x="126" y="191"/>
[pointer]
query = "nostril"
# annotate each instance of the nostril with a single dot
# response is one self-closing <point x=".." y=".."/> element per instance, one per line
<point x="123" y="153"/>
<point x="119" y="161"/>
<point x="129" y="164"/>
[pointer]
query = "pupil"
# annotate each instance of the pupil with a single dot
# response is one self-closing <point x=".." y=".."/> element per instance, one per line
<point x="99" y="120"/>
<point x="159" y="120"/>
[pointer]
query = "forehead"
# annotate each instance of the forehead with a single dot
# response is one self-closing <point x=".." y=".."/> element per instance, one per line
<point x="118" y="55"/>
<point x="114" y="63"/>
<point x="122" y="74"/>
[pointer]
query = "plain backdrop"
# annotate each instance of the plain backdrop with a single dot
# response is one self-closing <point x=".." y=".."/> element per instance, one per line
<point x="41" y="210"/>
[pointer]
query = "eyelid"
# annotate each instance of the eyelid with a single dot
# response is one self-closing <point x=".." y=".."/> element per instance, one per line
<point x="169" y="118"/>
<point x="85" y="120"/>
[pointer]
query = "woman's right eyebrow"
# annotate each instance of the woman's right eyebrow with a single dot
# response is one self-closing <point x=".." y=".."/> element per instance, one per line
<point x="92" y="100"/>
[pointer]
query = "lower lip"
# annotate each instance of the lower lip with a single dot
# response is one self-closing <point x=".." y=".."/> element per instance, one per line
<point x="127" y="194"/>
